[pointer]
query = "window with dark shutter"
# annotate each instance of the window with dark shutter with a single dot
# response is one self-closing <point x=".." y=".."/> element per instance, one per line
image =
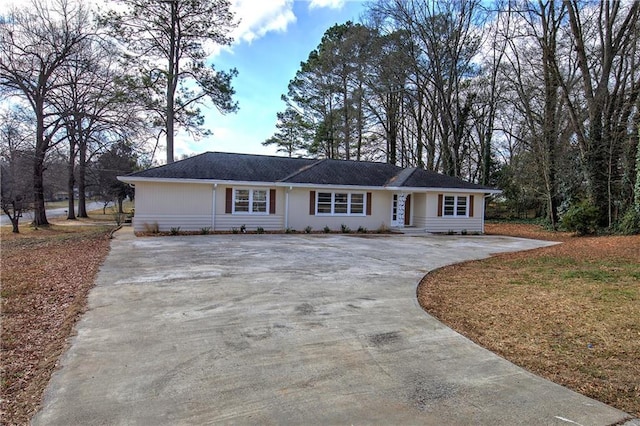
<point x="228" y="204"/>
<point x="272" y="201"/>
<point x="312" y="203"/>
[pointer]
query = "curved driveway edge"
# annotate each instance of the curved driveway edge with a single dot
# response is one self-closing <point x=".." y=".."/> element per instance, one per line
<point x="290" y="329"/>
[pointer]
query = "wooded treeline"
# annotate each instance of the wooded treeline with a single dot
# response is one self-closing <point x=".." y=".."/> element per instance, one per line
<point x="539" y="98"/>
<point x="97" y="89"/>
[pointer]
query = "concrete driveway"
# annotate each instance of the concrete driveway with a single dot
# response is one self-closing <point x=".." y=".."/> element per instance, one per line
<point x="290" y="329"/>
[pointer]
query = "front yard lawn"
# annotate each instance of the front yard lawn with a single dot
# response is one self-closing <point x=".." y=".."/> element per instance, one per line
<point x="46" y="276"/>
<point x="569" y="313"/>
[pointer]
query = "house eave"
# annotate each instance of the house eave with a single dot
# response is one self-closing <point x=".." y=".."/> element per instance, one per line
<point x="443" y="190"/>
<point x="328" y="186"/>
<point x="135" y="179"/>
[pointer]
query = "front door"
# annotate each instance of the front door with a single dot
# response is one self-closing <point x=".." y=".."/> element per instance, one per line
<point x="407" y="211"/>
<point x="396" y="220"/>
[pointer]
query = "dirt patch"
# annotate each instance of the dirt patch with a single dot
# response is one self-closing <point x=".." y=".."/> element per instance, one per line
<point x="46" y="276"/>
<point x="569" y="313"/>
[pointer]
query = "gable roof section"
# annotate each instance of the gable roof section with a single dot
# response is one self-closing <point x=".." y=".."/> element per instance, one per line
<point x="420" y="178"/>
<point x="223" y="166"/>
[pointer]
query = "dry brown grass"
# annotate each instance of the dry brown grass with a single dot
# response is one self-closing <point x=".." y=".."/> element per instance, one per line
<point x="46" y="276"/>
<point x="569" y="313"/>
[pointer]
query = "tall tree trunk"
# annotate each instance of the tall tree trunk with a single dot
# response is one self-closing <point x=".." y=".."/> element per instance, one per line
<point x="82" y="182"/>
<point x="636" y="187"/>
<point x="345" y="108"/>
<point x="71" y="214"/>
<point x="550" y="131"/>
<point x="172" y="79"/>
<point x="39" y="212"/>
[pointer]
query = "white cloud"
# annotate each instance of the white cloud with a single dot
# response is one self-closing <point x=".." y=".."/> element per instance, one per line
<point x="260" y="17"/>
<point x="331" y="4"/>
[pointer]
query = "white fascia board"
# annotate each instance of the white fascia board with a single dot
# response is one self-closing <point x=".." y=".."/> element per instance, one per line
<point x="443" y="190"/>
<point x="133" y="180"/>
<point x="329" y="186"/>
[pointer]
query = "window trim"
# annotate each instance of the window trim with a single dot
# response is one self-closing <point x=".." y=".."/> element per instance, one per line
<point x="251" y="194"/>
<point x="455" y="205"/>
<point x="364" y="203"/>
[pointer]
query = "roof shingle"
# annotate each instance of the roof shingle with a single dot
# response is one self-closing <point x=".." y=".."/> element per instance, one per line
<point x="262" y="168"/>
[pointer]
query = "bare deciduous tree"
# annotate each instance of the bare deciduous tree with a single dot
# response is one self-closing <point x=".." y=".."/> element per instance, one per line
<point x="38" y="42"/>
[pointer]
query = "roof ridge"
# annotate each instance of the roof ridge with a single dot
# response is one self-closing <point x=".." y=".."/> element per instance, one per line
<point x="302" y="169"/>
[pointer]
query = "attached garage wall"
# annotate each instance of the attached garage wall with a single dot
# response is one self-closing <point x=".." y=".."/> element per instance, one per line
<point x="172" y="205"/>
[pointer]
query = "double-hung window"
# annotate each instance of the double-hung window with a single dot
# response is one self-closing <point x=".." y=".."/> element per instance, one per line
<point x="340" y="203"/>
<point x="455" y="205"/>
<point x="251" y="201"/>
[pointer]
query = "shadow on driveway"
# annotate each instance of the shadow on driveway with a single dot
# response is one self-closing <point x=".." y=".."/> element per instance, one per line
<point x="294" y="329"/>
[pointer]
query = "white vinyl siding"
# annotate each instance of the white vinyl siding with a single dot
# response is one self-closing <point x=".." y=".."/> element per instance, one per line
<point x="173" y="205"/>
<point x="431" y="216"/>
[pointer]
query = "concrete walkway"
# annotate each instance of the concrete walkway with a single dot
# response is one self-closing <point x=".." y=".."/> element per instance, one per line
<point x="290" y="329"/>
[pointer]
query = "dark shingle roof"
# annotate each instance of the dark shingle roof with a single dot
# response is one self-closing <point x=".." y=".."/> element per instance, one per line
<point x="341" y="172"/>
<point x="263" y="168"/>
<point x="420" y="178"/>
<point x="227" y="166"/>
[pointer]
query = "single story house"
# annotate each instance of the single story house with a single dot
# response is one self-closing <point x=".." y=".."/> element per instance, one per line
<point x="222" y="191"/>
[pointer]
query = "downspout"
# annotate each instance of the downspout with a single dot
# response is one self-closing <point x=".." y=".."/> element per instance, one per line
<point x="213" y="208"/>
<point x="484" y="205"/>
<point x="286" y="207"/>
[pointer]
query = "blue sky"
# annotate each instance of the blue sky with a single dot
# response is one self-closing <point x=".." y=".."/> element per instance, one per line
<point x="270" y="44"/>
<point x="273" y="37"/>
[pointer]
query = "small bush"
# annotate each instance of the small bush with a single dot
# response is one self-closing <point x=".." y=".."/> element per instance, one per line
<point x="205" y="231"/>
<point x="326" y="229"/>
<point x="464" y="232"/>
<point x="345" y="229"/>
<point x="383" y="229"/>
<point x="307" y="230"/>
<point x="153" y="228"/>
<point x="234" y="230"/>
<point x="581" y="218"/>
<point x="290" y="231"/>
<point x="260" y="230"/>
<point x="630" y="223"/>
<point x="451" y="232"/>
<point x="361" y="230"/>
<point x="243" y="229"/>
<point x="174" y="231"/>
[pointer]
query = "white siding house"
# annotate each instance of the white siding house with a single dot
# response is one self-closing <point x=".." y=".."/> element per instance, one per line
<point x="222" y="191"/>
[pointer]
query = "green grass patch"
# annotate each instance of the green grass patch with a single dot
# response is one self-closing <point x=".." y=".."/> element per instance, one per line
<point x="596" y="275"/>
